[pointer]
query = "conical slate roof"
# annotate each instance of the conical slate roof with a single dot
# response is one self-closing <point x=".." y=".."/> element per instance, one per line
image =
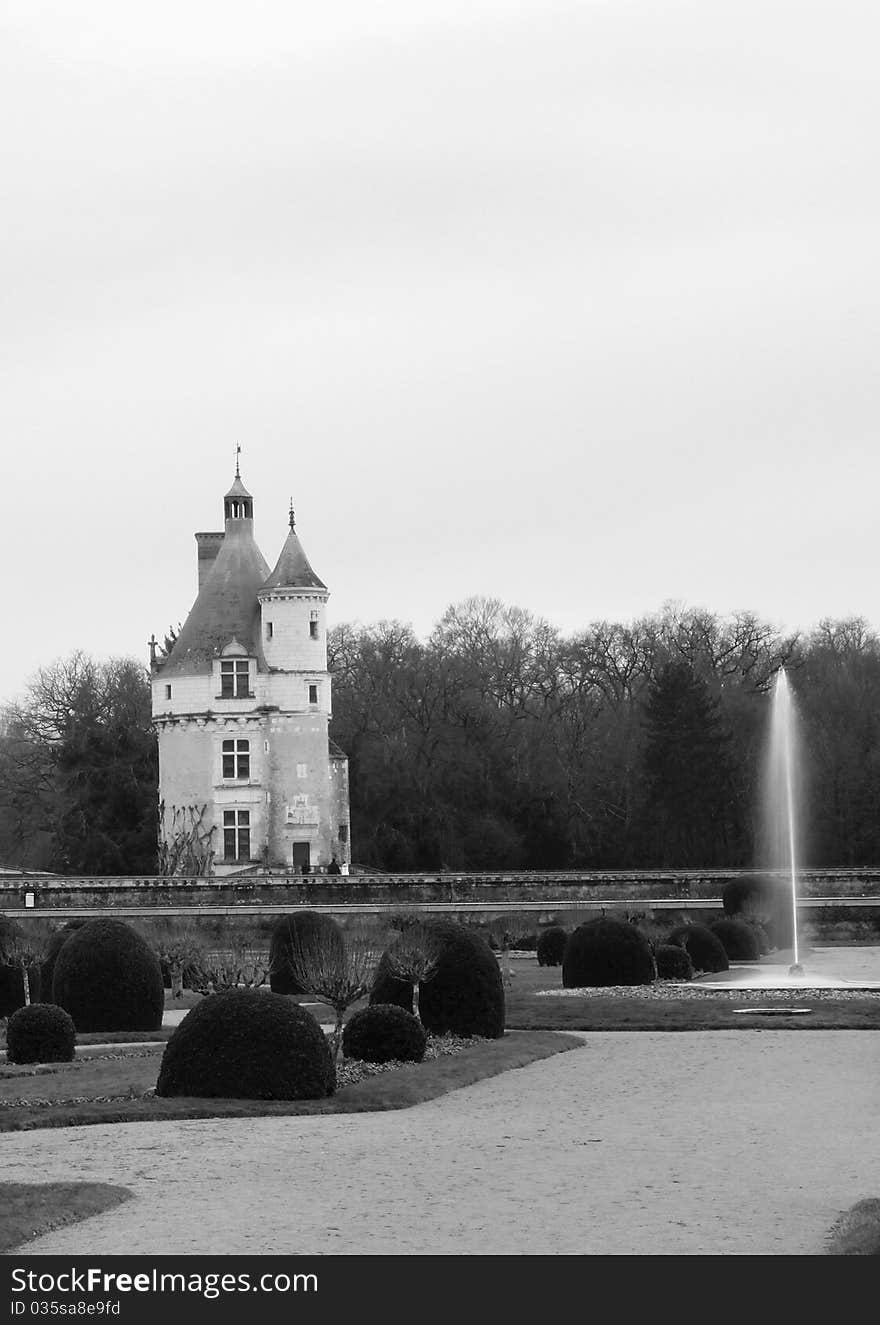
<point x="238" y="489"/>
<point x="226" y="607"/>
<point x="292" y="569"/>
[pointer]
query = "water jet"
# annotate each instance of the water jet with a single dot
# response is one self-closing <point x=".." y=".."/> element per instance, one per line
<point x="780" y="797"/>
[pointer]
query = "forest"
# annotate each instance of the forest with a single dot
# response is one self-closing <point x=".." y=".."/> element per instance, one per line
<point x="498" y="743"/>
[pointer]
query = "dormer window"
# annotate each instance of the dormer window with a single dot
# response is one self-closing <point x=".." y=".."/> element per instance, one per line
<point x="234" y="678"/>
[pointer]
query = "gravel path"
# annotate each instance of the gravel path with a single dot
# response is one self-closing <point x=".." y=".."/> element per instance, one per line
<point x="738" y="1143"/>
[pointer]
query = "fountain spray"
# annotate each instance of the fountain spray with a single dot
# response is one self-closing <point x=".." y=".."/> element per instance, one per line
<point x="782" y="792"/>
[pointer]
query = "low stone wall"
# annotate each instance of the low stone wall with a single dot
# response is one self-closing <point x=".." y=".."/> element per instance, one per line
<point x="42" y="893"/>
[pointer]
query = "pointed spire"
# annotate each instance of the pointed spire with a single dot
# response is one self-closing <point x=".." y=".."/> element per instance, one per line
<point x="238" y="504"/>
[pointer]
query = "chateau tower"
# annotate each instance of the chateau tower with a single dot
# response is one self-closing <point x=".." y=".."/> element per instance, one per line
<point x="242" y="705"/>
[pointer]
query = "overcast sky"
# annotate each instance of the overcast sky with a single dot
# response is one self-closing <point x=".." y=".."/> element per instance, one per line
<point x="571" y="304"/>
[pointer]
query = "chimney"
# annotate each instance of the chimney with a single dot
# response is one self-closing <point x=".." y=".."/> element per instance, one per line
<point x="208" y="547"/>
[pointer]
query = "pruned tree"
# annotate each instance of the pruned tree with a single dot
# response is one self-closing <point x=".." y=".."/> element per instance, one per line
<point x="184" y="956"/>
<point x="337" y="976"/>
<point x="237" y="967"/>
<point x="413" y="955"/>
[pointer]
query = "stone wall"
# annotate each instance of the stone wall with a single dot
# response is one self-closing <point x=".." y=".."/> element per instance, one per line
<point x="493" y="891"/>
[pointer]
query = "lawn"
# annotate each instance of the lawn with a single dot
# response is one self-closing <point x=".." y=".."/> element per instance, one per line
<point x="30" y="1209"/>
<point x="667" y="1007"/>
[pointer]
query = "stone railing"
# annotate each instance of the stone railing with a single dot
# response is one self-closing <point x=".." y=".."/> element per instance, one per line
<point x="38" y="892"/>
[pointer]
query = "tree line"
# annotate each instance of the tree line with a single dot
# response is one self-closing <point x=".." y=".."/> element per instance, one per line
<point x="498" y="743"/>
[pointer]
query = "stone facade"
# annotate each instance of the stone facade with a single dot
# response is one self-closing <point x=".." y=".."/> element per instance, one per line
<point x="241" y="705"/>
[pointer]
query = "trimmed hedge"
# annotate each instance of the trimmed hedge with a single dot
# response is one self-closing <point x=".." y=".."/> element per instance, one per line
<point x="464" y="996"/>
<point x="551" y="945"/>
<point x="12" y="988"/>
<point x="673" y="962"/>
<point x="705" y="949"/>
<point x="56" y="942"/>
<point x="300" y="927"/>
<point x="738" y="939"/>
<point x="384" y="1033"/>
<point x="247" y="1044"/>
<point x="109" y="979"/>
<point x="607" y="952"/>
<point x="40" y="1033"/>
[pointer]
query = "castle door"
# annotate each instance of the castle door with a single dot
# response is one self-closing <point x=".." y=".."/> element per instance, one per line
<point x="301" y="856"/>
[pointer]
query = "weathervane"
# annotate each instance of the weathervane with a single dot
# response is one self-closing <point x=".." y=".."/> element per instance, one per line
<point x="290" y="517"/>
<point x="237" y="453"/>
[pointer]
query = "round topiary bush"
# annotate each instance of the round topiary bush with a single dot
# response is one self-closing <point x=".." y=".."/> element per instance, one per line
<point x="705" y="949"/>
<point x="464" y="996"/>
<point x="551" y="945"/>
<point x="384" y="1033"/>
<point x="738" y="939"/>
<point x="247" y="1044"/>
<point x="56" y="942"/>
<point x="607" y="952"/>
<point x="302" y="928"/>
<point x="109" y="979"/>
<point x="40" y="1033"/>
<point x="673" y="962"/>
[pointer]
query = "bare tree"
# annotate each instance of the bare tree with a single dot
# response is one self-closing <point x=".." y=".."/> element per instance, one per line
<point x="23" y="958"/>
<point x="238" y="967"/>
<point x="338" y="976"/>
<point x="414" y="954"/>
<point x="184" y="955"/>
<point x="500" y="931"/>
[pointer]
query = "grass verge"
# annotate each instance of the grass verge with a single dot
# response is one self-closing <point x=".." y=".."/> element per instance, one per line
<point x="528" y="1012"/>
<point x="88" y="1090"/>
<point x="29" y="1209"/>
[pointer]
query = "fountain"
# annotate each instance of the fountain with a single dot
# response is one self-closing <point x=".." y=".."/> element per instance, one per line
<point x="781" y="799"/>
<point x="781" y="849"/>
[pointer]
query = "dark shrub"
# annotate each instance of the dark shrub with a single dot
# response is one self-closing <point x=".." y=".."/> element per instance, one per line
<point x="247" y="1044"/>
<point x="41" y="1033"/>
<point x="384" y="1033"/>
<point x="56" y="942"/>
<point x="761" y="936"/>
<point x="706" y="951"/>
<point x="302" y="927"/>
<point x="764" y="901"/>
<point x="607" y="952"/>
<point x="551" y="945"/>
<point x="12" y="987"/>
<point x="738" y="939"/>
<point x="747" y="897"/>
<point x="465" y="995"/>
<point x="109" y="979"/>
<point x="673" y="962"/>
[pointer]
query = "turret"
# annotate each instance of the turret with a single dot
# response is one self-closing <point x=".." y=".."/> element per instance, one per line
<point x="293" y="603"/>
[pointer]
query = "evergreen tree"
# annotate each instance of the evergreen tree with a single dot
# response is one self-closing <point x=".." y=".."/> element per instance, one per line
<point x="690" y="814"/>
